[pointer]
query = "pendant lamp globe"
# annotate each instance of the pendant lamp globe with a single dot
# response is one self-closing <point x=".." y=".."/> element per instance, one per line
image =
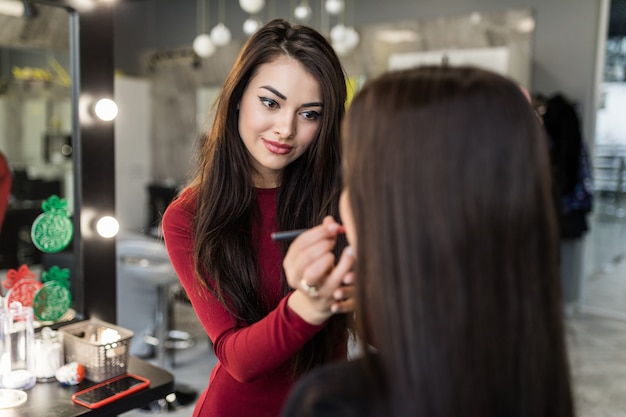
<point x="252" y="6"/>
<point x="334" y="7"/>
<point x="203" y="46"/>
<point x="220" y="35"/>
<point x="251" y="25"/>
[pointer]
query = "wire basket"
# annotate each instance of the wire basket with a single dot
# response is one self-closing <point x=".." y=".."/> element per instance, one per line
<point x="102" y="348"/>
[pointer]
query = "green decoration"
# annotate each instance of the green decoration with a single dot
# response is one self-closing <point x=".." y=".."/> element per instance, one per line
<point x="52" y="230"/>
<point x="54" y="299"/>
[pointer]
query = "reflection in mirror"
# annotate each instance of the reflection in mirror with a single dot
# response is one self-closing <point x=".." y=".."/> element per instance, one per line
<point x="35" y="125"/>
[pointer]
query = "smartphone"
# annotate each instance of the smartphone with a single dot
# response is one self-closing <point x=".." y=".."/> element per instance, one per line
<point x="110" y="390"/>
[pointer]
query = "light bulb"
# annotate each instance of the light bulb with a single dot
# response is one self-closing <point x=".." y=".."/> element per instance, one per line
<point x="203" y="46"/>
<point x="107" y="226"/>
<point x="251" y="25"/>
<point x="341" y="48"/>
<point x="338" y="33"/>
<point x="334" y="7"/>
<point x="220" y="35"/>
<point x="106" y="109"/>
<point x="526" y="25"/>
<point x="252" y="6"/>
<point x="351" y="37"/>
<point x="302" y="12"/>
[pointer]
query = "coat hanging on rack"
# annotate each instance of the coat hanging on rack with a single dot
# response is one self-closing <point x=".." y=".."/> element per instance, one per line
<point x="570" y="163"/>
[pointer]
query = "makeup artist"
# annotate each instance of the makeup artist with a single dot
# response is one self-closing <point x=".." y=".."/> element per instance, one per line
<point x="270" y="162"/>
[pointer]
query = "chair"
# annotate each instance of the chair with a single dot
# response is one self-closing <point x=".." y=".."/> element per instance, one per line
<point x="145" y="280"/>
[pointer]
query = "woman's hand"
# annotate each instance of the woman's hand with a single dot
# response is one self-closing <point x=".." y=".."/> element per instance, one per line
<point x="322" y="288"/>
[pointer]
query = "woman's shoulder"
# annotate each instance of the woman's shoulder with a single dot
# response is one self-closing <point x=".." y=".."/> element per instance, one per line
<point x="181" y="209"/>
<point x="337" y="389"/>
<point x="186" y="200"/>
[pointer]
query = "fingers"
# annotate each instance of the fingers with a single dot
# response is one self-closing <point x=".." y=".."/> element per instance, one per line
<point x="322" y="287"/>
<point x="335" y="293"/>
<point x="310" y="255"/>
<point x="343" y="299"/>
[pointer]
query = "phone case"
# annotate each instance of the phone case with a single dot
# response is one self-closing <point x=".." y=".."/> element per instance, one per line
<point x="110" y="390"/>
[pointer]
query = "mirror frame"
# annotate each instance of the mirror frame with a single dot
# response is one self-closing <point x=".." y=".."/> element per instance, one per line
<point x="93" y="275"/>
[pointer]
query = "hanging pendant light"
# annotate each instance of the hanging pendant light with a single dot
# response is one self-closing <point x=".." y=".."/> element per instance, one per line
<point x="252" y="6"/>
<point x="334" y="7"/>
<point x="344" y="38"/>
<point x="303" y="12"/>
<point x="251" y="25"/>
<point x="203" y="45"/>
<point x="220" y="34"/>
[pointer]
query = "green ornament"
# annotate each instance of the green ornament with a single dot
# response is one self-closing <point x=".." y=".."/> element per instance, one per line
<point x="52" y="230"/>
<point x="54" y="299"/>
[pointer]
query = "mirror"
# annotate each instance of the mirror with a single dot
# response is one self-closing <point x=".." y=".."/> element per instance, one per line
<point x="56" y="61"/>
<point x="35" y="123"/>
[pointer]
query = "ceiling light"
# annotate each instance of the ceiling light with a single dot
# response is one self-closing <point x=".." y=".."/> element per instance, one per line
<point x="334" y="7"/>
<point x="203" y="46"/>
<point x="251" y="25"/>
<point x="252" y="6"/>
<point x="397" y="36"/>
<point x="302" y="11"/>
<point x="12" y="8"/>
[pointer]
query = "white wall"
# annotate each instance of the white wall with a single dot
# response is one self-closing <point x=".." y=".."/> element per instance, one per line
<point x="133" y="152"/>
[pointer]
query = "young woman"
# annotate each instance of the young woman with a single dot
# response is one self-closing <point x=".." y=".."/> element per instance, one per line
<point x="270" y="162"/>
<point x="448" y="207"/>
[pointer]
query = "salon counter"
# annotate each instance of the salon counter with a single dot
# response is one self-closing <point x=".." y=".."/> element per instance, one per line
<point x="51" y="399"/>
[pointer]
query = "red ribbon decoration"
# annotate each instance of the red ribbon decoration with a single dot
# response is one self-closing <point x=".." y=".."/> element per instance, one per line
<point x="13" y="276"/>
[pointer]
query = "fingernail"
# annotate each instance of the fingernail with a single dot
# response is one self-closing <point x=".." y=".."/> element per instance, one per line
<point x="334" y="308"/>
<point x="349" y="251"/>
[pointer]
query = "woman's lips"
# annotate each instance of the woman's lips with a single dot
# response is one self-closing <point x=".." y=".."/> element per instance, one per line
<point x="277" y="147"/>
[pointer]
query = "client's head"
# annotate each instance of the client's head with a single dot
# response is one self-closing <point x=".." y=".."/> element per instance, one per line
<point x="448" y="204"/>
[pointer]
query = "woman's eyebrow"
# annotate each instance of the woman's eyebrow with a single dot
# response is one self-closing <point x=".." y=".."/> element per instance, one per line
<point x="283" y="97"/>
<point x="275" y="91"/>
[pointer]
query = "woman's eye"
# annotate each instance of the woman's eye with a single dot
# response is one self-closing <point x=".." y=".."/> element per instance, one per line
<point x="268" y="102"/>
<point x="310" y="115"/>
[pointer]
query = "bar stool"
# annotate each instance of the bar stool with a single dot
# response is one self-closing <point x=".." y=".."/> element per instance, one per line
<point x="145" y="278"/>
<point x="145" y="281"/>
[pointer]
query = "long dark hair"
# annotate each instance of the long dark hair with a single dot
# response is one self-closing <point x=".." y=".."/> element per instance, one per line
<point x="449" y="182"/>
<point x="309" y="186"/>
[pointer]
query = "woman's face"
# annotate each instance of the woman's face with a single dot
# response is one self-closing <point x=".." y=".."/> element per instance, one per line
<point x="279" y="116"/>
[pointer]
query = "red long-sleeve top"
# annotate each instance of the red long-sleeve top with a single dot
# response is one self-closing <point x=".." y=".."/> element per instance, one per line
<point x="252" y="376"/>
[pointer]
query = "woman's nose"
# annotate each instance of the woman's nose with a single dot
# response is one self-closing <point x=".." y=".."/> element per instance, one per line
<point x="286" y="126"/>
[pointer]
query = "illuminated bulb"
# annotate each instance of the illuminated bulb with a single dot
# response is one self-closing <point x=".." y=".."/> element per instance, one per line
<point x="107" y="226"/>
<point x="252" y="6"/>
<point x="106" y="109"/>
<point x="220" y="35"/>
<point x="338" y="33"/>
<point x="334" y="7"/>
<point x="351" y="37"/>
<point x="203" y="46"/>
<point x="251" y="25"/>
<point x="302" y="12"/>
<point x="12" y="8"/>
<point x="526" y="25"/>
